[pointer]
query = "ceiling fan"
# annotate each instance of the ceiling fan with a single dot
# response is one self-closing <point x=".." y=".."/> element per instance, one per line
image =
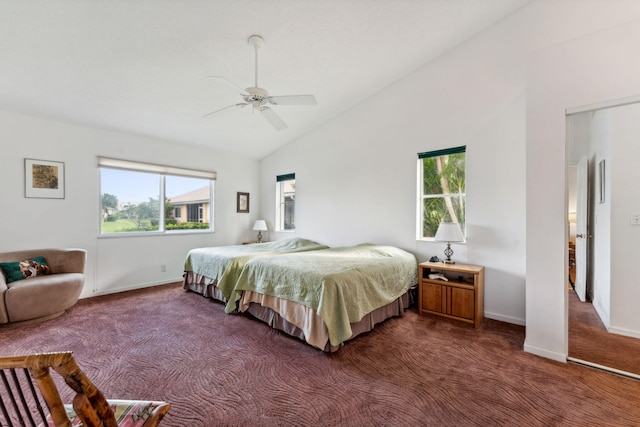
<point x="258" y="98"/>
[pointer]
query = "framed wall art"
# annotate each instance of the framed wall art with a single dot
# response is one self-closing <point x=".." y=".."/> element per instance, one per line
<point x="243" y="203"/>
<point x="43" y="179"/>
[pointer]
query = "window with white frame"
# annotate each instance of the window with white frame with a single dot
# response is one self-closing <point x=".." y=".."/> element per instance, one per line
<point x="441" y="190"/>
<point x="143" y="198"/>
<point x="285" y="202"/>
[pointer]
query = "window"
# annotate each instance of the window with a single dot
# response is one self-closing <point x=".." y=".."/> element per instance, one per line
<point x="441" y="176"/>
<point x="152" y="199"/>
<point x="194" y="212"/>
<point x="285" y="202"/>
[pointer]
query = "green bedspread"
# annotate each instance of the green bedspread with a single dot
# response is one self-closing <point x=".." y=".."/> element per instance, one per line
<point x="340" y="284"/>
<point x="224" y="263"/>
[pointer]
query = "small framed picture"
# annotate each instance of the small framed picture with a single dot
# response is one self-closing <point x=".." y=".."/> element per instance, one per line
<point x="243" y="203"/>
<point x="43" y="179"/>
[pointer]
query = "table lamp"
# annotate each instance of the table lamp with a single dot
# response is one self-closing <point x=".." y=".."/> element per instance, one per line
<point x="449" y="232"/>
<point x="260" y="225"/>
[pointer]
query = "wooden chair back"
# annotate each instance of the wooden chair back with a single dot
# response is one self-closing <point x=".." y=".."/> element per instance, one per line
<point x="21" y="401"/>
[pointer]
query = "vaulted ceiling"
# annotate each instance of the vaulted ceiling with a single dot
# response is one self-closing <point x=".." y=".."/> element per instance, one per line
<point x="142" y="66"/>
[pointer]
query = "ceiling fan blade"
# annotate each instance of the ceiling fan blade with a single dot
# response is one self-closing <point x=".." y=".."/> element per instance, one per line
<point x="293" y="100"/>
<point x="230" y="83"/>
<point x="242" y="104"/>
<point x="273" y="118"/>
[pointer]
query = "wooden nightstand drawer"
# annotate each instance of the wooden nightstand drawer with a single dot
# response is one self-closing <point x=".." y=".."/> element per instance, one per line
<point x="434" y="297"/>
<point x="459" y="297"/>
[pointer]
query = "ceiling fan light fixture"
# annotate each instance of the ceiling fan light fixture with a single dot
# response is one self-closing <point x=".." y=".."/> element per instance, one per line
<point x="257" y="92"/>
<point x="258" y="97"/>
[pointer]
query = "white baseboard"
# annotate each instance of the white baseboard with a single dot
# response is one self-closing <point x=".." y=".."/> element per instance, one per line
<point x="131" y="287"/>
<point x="502" y="318"/>
<point x="558" y="357"/>
<point x="625" y="332"/>
<point x="601" y="313"/>
<point x="613" y="329"/>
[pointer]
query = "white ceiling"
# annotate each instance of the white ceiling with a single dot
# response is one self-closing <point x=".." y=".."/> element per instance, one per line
<point x="141" y="66"/>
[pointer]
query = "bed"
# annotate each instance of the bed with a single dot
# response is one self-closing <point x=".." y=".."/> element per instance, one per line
<point x="326" y="297"/>
<point x="213" y="271"/>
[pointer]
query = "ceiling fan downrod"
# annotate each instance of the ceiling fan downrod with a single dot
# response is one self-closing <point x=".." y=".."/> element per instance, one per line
<point x="258" y="98"/>
<point x="257" y="42"/>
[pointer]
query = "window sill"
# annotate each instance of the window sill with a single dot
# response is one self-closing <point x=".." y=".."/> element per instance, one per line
<point x="153" y="234"/>
<point x="432" y="240"/>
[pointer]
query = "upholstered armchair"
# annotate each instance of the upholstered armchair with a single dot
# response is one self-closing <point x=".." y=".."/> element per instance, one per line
<point x="35" y="297"/>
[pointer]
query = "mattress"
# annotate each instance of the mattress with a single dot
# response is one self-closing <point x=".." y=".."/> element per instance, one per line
<point x="341" y="285"/>
<point x="220" y="266"/>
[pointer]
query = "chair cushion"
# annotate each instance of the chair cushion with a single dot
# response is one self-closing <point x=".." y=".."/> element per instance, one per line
<point x="128" y="413"/>
<point x="36" y="266"/>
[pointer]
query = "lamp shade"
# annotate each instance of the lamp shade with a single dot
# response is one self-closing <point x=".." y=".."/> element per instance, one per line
<point x="260" y="225"/>
<point x="449" y="232"/>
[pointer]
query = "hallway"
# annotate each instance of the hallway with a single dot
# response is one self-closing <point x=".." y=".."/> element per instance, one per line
<point x="590" y="341"/>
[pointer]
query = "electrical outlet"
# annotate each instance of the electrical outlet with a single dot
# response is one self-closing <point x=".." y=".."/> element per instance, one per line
<point x="635" y="219"/>
<point x="163" y="268"/>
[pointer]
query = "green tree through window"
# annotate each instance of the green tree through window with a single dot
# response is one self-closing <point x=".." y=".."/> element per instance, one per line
<point x="109" y="204"/>
<point x="442" y="193"/>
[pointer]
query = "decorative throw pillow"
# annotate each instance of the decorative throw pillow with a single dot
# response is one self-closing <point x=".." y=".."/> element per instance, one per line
<point x="33" y="267"/>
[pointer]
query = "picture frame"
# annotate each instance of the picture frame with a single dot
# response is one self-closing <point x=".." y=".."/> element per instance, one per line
<point x="601" y="181"/>
<point x="243" y="203"/>
<point x="44" y="179"/>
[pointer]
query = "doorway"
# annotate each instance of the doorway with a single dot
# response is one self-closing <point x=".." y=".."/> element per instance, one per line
<point x="602" y="330"/>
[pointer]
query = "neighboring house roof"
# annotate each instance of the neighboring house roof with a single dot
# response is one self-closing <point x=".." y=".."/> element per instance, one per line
<point x="199" y="195"/>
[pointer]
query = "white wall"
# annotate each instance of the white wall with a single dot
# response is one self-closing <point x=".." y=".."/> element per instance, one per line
<point x="356" y="175"/>
<point x="113" y="264"/>
<point x="599" y="270"/>
<point x="593" y="68"/>
<point x="624" y="177"/>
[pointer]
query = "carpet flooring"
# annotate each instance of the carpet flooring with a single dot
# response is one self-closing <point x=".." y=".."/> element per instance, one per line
<point x="590" y="341"/>
<point x="231" y="370"/>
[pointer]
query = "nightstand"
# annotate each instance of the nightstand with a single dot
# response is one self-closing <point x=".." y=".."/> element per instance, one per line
<point x="460" y="297"/>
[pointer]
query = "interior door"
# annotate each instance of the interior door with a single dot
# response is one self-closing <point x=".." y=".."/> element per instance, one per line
<point x="582" y="234"/>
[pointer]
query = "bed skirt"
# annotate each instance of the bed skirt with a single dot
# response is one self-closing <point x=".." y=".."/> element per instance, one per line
<point x="304" y="323"/>
<point x="291" y="317"/>
<point x="202" y="285"/>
